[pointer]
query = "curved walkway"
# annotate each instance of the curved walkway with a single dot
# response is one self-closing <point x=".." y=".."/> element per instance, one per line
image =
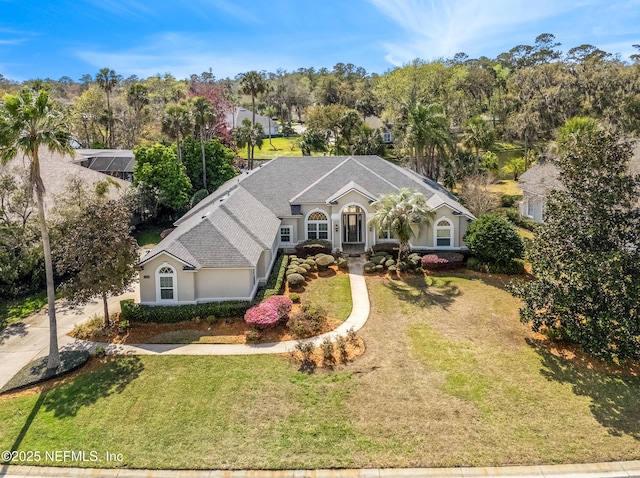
<point x="357" y="318"/>
<point x="590" y="470"/>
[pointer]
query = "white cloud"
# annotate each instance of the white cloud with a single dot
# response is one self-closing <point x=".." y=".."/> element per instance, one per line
<point x="181" y="55"/>
<point x="441" y="28"/>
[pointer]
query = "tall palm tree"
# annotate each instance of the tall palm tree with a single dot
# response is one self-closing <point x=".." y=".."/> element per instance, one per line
<point x="573" y="130"/>
<point x="477" y="136"/>
<point x="108" y="80"/>
<point x="427" y="138"/>
<point x="252" y="83"/>
<point x="204" y="114"/>
<point x="399" y="214"/>
<point x="176" y="123"/>
<point x="28" y="122"/>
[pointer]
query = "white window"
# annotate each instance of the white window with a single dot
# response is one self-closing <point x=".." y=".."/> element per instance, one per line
<point x="285" y="234"/>
<point x="444" y="233"/>
<point x="386" y="137"/>
<point x="317" y="226"/>
<point x="530" y="207"/>
<point x="385" y="235"/>
<point x="166" y="283"/>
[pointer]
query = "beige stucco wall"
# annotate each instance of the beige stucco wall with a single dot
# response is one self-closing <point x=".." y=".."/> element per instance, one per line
<point x="184" y="279"/>
<point x="216" y="284"/>
<point x="427" y="236"/>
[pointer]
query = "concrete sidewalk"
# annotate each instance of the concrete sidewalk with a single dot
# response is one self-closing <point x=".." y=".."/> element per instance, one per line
<point x="29" y="339"/>
<point x="593" y="470"/>
<point x="357" y="318"/>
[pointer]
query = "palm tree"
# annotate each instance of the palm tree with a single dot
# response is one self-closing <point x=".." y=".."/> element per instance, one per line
<point x="250" y="136"/>
<point x="176" y="123"/>
<point x="270" y="112"/>
<point x="29" y="121"/>
<point x="477" y="136"/>
<point x="573" y="130"/>
<point x="204" y="115"/>
<point x="427" y="138"/>
<point x="399" y="214"/>
<point x="108" y="80"/>
<point x="252" y="83"/>
<point x="514" y="166"/>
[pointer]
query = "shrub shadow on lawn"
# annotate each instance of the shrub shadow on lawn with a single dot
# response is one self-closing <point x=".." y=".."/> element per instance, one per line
<point x="615" y="401"/>
<point x="113" y="377"/>
<point x="417" y="291"/>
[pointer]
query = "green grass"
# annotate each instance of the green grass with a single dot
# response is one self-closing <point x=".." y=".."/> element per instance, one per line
<point x="332" y="293"/>
<point x="149" y="235"/>
<point x="281" y="147"/>
<point x="449" y="378"/>
<point x="13" y="311"/>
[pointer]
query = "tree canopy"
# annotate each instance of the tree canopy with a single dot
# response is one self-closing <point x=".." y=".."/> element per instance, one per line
<point x="586" y="256"/>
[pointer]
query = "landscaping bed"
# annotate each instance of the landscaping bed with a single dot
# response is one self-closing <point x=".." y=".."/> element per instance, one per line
<point x="333" y="282"/>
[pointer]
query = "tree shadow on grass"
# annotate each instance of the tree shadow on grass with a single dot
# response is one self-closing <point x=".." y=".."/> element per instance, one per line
<point x="85" y="390"/>
<point x="418" y="291"/>
<point x="615" y="398"/>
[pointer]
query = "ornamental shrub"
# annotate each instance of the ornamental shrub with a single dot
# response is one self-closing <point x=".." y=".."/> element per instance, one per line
<point x="324" y="261"/>
<point x="369" y="267"/>
<point x="136" y="313"/>
<point x="313" y="247"/>
<point x="295" y="280"/>
<point x="492" y="239"/>
<point x="441" y="261"/>
<point x="268" y="312"/>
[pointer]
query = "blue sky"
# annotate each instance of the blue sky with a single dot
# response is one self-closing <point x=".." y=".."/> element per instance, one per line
<point x="40" y="39"/>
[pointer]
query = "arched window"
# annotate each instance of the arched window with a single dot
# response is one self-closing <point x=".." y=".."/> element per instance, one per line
<point x="444" y="233"/>
<point x="166" y="283"/>
<point x="317" y="225"/>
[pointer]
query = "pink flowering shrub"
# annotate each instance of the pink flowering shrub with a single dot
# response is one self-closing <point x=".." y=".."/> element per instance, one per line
<point x="268" y="312"/>
<point x="446" y="260"/>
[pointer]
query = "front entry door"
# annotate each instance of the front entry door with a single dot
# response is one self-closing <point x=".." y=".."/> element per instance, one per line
<point x="352" y="228"/>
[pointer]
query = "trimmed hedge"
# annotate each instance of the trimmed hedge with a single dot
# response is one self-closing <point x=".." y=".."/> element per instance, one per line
<point x="391" y="248"/>
<point x="516" y="266"/>
<point x="276" y="279"/>
<point x="312" y="247"/>
<point x="521" y="221"/>
<point x="177" y="313"/>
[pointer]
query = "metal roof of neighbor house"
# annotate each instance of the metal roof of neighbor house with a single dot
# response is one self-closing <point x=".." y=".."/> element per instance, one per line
<point x="107" y="160"/>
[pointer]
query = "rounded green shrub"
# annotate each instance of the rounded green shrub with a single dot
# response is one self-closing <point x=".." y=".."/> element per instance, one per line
<point x="369" y="267"/>
<point x="378" y="260"/>
<point x="302" y="271"/>
<point x="492" y="239"/>
<point x="389" y="263"/>
<point x="295" y="280"/>
<point x="324" y="261"/>
<point x="379" y="268"/>
<point x="305" y="266"/>
<point x="392" y="268"/>
<point x="402" y="266"/>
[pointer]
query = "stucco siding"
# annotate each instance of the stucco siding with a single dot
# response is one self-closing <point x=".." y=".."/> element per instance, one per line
<point x="223" y="283"/>
<point x="148" y="280"/>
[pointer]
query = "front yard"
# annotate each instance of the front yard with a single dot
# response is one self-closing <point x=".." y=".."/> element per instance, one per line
<point x="450" y="378"/>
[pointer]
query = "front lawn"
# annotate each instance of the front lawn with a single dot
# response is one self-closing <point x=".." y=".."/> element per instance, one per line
<point x="450" y="378"/>
<point x="281" y="147"/>
<point x="12" y="311"/>
<point x="333" y="294"/>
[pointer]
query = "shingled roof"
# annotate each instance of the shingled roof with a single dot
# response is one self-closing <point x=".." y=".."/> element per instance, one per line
<point x="232" y="231"/>
<point x="57" y="170"/>
<point x="233" y="225"/>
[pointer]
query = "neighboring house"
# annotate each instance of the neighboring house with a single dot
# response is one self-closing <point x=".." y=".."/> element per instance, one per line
<point x="536" y="183"/>
<point x="57" y="171"/>
<point x="385" y="129"/>
<point x="117" y="163"/>
<point x="225" y="246"/>
<point x="234" y="119"/>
